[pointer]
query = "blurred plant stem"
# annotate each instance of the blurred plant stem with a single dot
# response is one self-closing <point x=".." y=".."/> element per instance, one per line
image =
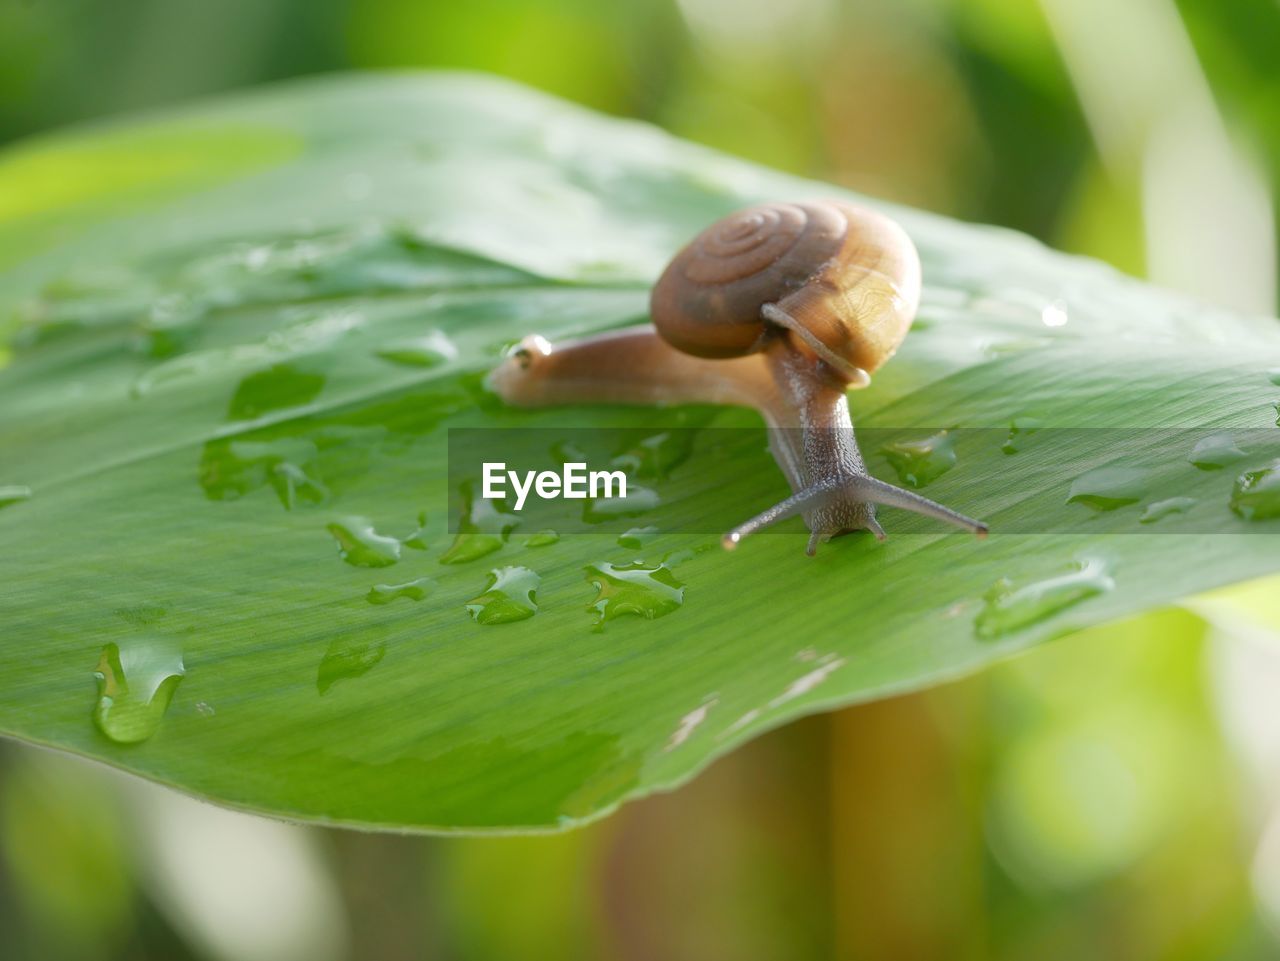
<point x="384" y="881"/>
<point x="750" y="840"/>
<point x="906" y="839"/>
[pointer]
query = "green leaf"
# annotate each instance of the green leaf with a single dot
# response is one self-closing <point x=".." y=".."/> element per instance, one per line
<point x="225" y="409"/>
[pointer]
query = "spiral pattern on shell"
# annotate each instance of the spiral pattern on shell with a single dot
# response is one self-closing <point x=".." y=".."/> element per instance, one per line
<point x="844" y="280"/>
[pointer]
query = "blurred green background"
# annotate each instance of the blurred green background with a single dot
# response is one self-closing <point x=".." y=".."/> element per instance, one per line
<point x="1115" y="795"/>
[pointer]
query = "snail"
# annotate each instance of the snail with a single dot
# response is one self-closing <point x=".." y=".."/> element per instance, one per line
<point x="780" y="307"/>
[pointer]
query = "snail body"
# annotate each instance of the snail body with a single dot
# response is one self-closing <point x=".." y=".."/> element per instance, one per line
<point x="780" y="307"/>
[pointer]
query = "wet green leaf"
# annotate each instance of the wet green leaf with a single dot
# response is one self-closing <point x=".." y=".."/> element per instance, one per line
<point x="223" y="417"/>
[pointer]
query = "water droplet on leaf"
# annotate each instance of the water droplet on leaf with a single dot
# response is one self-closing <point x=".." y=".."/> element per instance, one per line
<point x="1019" y="430"/>
<point x="414" y="590"/>
<point x="639" y="500"/>
<point x="510" y="596"/>
<point x="1256" y="493"/>
<point x="1108" y="488"/>
<point x="656" y="456"/>
<point x="1215" y="452"/>
<point x="482" y="530"/>
<point x="174" y="312"/>
<point x="175" y="370"/>
<point x="638" y="588"/>
<point x="1008" y="607"/>
<point x="12" y="493"/>
<point x="567" y="452"/>
<point x="919" y="462"/>
<point x="276" y="388"/>
<point x="429" y="350"/>
<point x="161" y="340"/>
<point x="637" y="537"/>
<point x="346" y="660"/>
<point x="1166" y="508"/>
<point x="292" y="485"/>
<point x="542" y="539"/>
<point x="418" y="539"/>
<point x="136" y="683"/>
<point x="230" y="469"/>
<point x="362" y="546"/>
<point x="1054" y="314"/>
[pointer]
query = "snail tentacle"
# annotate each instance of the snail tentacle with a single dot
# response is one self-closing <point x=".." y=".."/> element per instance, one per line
<point x="875" y="491"/>
<point x="856" y="376"/>
<point x="862" y="489"/>
<point x="797" y="503"/>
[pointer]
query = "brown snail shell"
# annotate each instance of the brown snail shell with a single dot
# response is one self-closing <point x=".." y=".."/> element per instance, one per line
<point x="844" y="279"/>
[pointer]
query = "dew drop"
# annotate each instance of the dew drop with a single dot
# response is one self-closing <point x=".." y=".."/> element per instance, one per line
<point x="1256" y="494"/>
<point x="638" y="588"/>
<point x="567" y="452"/>
<point x="418" y="539"/>
<point x="136" y="683"/>
<point x="346" y="659"/>
<point x="469" y="546"/>
<point x="42" y="330"/>
<point x="639" y="500"/>
<point x="1007" y="607"/>
<point x="430" y="350"/>
<point x="292" y="485"/>
<point x="362" y="546"/>
<point x="414" y="590"/>
<point x="231" y="469"/>
<point x="920" y="462"/>
<point x="170" y="328"/>
<point x="173" y="371"/>
<point x="510" y="596"/>
<point x="682" y="554"/>
<point x="310" y="333"/>
<point x="13" y="493"/>
<point x="1108" y="488"/>
<point x="1274" y="376"/>
<point x="175" y="312"/>
<point x="482" y="530"/>
<point x="542" y="539"/>
<point x="637" y="537"/>
<point x="1054" y="314"/>
<point x="1215" y="452"/>
<point x="1166" y="508"/>
<point x="1019" y="430"/>
<point x="277" y="388"/>
<point x="162" y="343"/>
<point x="656" y="456"/>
